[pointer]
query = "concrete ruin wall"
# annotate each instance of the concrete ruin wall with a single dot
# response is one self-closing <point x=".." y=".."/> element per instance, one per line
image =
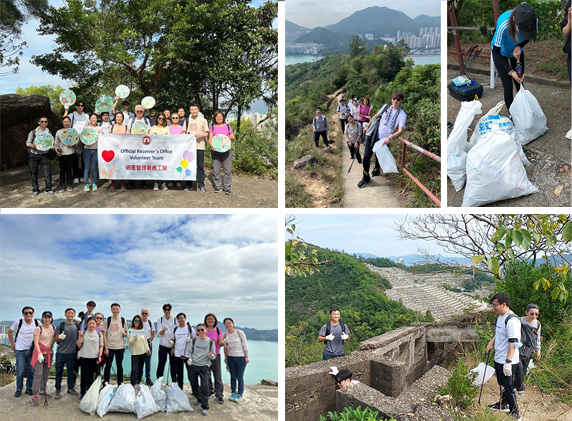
<point x="389" y="368"/>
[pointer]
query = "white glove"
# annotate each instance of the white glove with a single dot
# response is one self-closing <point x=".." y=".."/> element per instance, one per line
<point x="40" y="358"/>
<point x="189" y="361"/>
<point x="62" y="336"/>
<point x="330" y="337"/>
<point x="334" y="370"/>
<point x="165" y="327"/>
<point x="66" y="107"/>
<point x="225" y="341"/>
<point x="344" y="336"/>
<point x="188" y="339"/>
<point x="172" y="342"/>
<point x="507" y="369"/>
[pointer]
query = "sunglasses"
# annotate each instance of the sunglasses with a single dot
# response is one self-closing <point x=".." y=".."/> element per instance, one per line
<point x="200" y="330"/>
<point x="534" y="314"/>
<point x="99" y="318"/>
<point x="79" y="105"/>
<point x="138" y="111"/>
<point x="160" y="119"/>
<point x="28" y="312"/>
<point x="397" y="99"/>
<point x="43" y="121"/>
<point x="174" y="118"/>
<point x="144" y="313"/>
<point x="91" y="305"/>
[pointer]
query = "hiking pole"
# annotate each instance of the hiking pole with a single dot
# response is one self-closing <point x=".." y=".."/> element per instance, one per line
<point x="484" y="374"/>
<point x="536" y="380"/>
<point x="353" y="159"/>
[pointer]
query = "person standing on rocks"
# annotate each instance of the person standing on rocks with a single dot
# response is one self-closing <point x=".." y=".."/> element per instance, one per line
<point x="66" y="356"/>
<point x="42" y="356"/>
<point x="320" y="128"/>
<point x="38" y="158"/>
<point x="391" y="117"/>
<point x="150" y="335"/>
<point x="114" y="332"/>
<point x="23" y="345"/>
<point x="334" y="334"/>
<point x="507" y="336"/>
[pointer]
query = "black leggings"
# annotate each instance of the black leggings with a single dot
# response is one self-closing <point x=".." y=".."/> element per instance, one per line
<point x="507" y="80"/>
<point x="367" y="154"/>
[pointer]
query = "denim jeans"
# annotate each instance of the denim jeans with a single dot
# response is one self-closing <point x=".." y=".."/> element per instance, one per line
<point x="236" y="366"/>
<point x="118" y="355"/>
<point x="326" y="357"/>
<point x="148" y="364"/>
<point x="68" y="360"/>
<point x="24" y="364"/>
<point x="90" y="161"/>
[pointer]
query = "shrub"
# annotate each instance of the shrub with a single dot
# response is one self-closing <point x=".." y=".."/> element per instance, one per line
<point x="460" y="385"/>
<point x="354" y="414"/>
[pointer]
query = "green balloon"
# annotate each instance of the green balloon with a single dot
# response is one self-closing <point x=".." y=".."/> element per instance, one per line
<point x="180" y="169"/>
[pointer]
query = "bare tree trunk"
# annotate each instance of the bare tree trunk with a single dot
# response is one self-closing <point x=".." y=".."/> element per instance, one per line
<point x="238" y="116"/>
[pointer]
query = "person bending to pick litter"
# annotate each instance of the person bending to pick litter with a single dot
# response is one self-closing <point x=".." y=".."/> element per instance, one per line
<point x="514" y="29"/>
<point x="507" y="336"/>
<point x="334" y="334"/>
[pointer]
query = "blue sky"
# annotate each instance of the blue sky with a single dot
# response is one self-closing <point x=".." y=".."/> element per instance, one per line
<point x="31" y="75"/>
<point x="310" y="13"/>
<point x="362" y="233"/>
<point x="225" y="264"/>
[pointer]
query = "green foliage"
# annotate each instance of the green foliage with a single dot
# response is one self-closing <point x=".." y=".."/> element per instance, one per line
<point x="354" y="414"/>
<point x="357" y="47"/>
<point x="382" y="262"/>
<point x="460" y="385"/>
<point x="255" y="150"/>
<point x="52" y="92"/>
<point x="300" y="258"/>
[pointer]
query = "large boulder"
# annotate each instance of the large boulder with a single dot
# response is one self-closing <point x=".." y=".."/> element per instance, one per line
<point x="19" y="114"/>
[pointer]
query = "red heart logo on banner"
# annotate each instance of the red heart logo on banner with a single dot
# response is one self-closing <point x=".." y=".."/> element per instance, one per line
<point x="108" y="156"/>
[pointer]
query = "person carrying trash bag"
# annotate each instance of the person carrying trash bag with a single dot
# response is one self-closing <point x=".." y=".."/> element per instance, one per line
<point x="513" y="31"/>
<point x="390" y="118"/>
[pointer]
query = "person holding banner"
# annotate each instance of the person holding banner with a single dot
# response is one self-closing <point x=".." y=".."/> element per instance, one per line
<point x="160" y="128"/>
<point x="219" y="159"/>
<point x="199" y="127"/>
<point x="139" y="349"/>
<point x="38" y="157"/>
<point x="65" y="156"/>
<point x="90" y="157"/>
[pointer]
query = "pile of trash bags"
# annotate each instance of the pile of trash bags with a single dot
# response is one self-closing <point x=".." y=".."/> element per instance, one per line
<point x="490" y="164"/>
<point x="143" y="403"/>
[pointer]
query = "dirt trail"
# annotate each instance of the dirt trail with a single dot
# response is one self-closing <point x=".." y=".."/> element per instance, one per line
<point x="260" y="404"/>
<point x="16" y="192"/>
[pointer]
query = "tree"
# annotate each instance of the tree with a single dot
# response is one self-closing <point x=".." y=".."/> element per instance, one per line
<point x="357" y="46"/>
<point x="493" y="240"/>
<point x="301" y="260"/>
<point x="13" y="14"/>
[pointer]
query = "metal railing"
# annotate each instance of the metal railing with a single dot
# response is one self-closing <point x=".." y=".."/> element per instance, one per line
<point x="408" y="144"/>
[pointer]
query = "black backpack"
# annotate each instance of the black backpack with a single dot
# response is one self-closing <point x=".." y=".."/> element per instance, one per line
<point x="188" y="327"/>
<point x="210" y="346"/>
<point x="329" y="327"/>
<point x="109" y="322"/>
<point x="529" y="338"/>
<point x="20" y="325"/>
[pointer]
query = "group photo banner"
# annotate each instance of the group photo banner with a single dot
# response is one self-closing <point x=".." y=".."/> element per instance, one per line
<point x="147" y="157"/>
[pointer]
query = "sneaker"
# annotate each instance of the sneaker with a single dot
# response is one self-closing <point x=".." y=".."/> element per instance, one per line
<point x="206" y="411"/>
<point x="123" y="189"/>
<point x="49" y="192"/>
<point x="238" y="399"/>
<point x="516" y="416"/>
<point x="86" y="188"/>
<point x="363" y="182"/>
<point x="112" y="187"/>
<point x="220" y="400"/>
<point x="58" y="394"/>
<point x="76" y="181"/>
<point x="521" y="390"/>
<point x="156" y="186"/>
<point x="202" y="190"/>
<point x="35" y="400"/>
<point x="232" y="397"/>
<point x="186" y="190"/>
<point x="72" y="391"/>
<point x="18" y="393"/>
<point x="29" y="392"/>
<point x="69" y="188"/>
<point x="164" y="186"/>
<point x="61" y="190"/>
<point x="35" y="193"/>
<point x="375" y="173"/>
<point x="496" y="407"/>
<point x="227" y="192"/>
<point x="44" y="393"/>
<point x="94" y="187"/>
<point x="217" y="190"/>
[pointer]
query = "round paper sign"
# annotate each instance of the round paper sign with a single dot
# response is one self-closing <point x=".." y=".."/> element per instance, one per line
<point x="220" y="143"/>
<point x="139" y="127"/>
<point x="148" y="102"/>
<point x="105" y="105"/>
<point x="122" y="91"/>
<point x="67" y="97"/>
<point x="70" y="137"/>
<point x="89" y="136"/>
<point x="44" y="141"/>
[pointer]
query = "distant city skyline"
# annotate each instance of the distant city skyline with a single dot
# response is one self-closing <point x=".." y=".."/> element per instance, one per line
<point x="312" y="14"/>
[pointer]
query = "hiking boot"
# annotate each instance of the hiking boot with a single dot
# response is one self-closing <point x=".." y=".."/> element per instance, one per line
<point x="238" y="399"/>
<point x="164" y="186"/>
<point x="156" y="186"/>
<point x="227" y="192"/>
<point x="232" y="397"/>
<point x="72" y="391"/>
<point x="217" y="190"/>
<point x="205" y="411"/>
<point x="376" y="172"/>
<point x="363" y="182"/>
<point x="58" y="394"/>
<point x="18" y="393"/>
<point x="35" y="400"/>
<point x="496" y="407"/>
<point x="29" y="392"/>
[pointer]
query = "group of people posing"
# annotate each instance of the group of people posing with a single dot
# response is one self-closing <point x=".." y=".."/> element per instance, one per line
<point x="79" y="163"/>
<point x="91" y="342"/>
<point x="360" y="127"/>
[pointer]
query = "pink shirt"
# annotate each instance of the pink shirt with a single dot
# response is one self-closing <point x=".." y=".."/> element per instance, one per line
<point x="176" y="129"/>
<point x="225" y="129"/>
<point x="214" y="334"/>
<point x="364" y="109"/>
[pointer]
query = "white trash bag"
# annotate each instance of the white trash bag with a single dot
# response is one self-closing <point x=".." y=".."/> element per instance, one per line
<point x="481" y="370"/>
<point x="158" y="394"/>
<point x="124" y="399"/>
<point x="528" y="118"/>
<point x="385" y="158"/>
<point x="483" y="127"/>
<point x="495" y="171"/>
<point x="177" y="401"/>
<point x="105" y="396"/>
<point x="89" y="401"/>
<point x="569" y="134"/>
<point x="456" y="143"/>
<point x="145" y="404"/>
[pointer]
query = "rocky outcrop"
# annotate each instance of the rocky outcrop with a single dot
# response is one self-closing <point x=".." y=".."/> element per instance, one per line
<point x="19" y="114"/>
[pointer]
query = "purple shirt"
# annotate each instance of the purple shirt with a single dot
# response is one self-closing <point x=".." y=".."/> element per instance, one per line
<point x="214" y="335"/>
<point x="176" y="129"/>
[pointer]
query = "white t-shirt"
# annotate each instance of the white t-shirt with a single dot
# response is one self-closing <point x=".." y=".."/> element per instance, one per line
<point x="502" y="334"/>
<point x="383" y="128"/>
<point x="25" y="337"/>
<point x="182" y="347"/>
<point x="170" y="323"/>
<point x="148" y="328"/>
<point x="343" y="109"/>
<point x="79" y="121"/>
